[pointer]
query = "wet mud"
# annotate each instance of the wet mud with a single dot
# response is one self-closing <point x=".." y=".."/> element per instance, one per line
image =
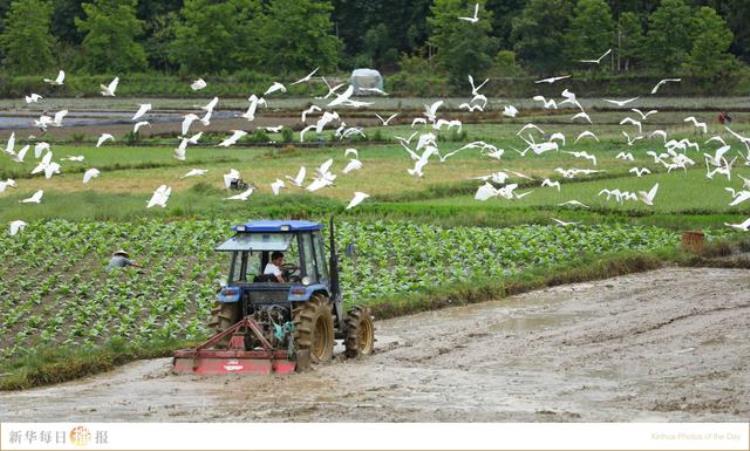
<point x="91" y="124"/>
<point x="668" y="345"/>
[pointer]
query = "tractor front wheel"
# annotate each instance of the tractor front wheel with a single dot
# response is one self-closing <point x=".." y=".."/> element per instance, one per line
<point x="360" y="332"/>
<point x="313" y="331"/>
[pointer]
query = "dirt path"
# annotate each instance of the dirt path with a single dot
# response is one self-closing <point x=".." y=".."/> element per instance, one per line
<point x="669" y="345"/>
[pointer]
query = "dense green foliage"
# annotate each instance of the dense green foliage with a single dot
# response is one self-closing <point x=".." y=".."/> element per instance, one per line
<point x="669" y="35"/>
<point x="111" y="28"/>
<point x="27" y="42"/>
<point x="73" y="300"/>
<point x="539" y="33"/>
<point x="283" y="36"/>
<point x="710" y="52"/>
<point x="591" y="31"/>
<point x="462" y="47"/>
<point x="375" y="33"/>
<point x="296" y="37"/>
<point x="703" y="38"/>
<point x="208" y="34"/>
<point x="630" y="41"/>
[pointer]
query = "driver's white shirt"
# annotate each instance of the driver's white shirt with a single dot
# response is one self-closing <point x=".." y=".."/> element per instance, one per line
<point x="272" y="269"/>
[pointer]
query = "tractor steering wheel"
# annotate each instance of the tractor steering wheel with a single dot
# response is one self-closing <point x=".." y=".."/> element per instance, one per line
<point x="290" y="271"/>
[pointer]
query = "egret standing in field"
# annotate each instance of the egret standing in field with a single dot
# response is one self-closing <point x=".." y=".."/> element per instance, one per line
<point x="16" y="226"/>
<point x="90" y="174"/>
<point x="231" y="176"/>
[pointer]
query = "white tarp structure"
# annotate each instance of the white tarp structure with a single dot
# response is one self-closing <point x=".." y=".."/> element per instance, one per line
<point x="366" y="78"/>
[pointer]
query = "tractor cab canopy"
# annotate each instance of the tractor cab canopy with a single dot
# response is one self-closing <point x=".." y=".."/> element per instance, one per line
<point x="257" y="242"/>
<point x="277" y="226"/>
<point x="253" y="244"/>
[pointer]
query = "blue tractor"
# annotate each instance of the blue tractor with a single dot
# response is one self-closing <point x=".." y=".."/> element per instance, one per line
<point x="279" y="322"/>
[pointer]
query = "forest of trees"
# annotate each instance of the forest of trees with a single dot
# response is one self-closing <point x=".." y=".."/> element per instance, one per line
<point x="703" y="38"/>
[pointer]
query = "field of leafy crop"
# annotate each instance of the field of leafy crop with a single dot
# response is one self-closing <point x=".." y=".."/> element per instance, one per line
<point x="54" y="287"/>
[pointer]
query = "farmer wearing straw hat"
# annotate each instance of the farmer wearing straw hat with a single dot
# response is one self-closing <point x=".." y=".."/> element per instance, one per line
<point x="120" y="260"/>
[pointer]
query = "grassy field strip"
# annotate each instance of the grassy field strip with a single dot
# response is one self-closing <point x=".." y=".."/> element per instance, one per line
<point x="679" y="192"/>
<point x="384" y="176"/>
<point x="120" y="167"/>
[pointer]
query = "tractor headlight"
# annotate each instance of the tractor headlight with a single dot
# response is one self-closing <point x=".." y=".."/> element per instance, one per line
<point x="306" y="280"/>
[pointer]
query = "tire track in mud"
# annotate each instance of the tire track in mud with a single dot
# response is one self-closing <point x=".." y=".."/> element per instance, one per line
<point x="668" y="345"/>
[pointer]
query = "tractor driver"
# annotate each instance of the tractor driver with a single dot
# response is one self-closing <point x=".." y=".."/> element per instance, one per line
<point x="274" y="266"/>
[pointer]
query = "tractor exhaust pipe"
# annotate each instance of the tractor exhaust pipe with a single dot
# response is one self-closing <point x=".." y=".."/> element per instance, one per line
<point x="333" y="263"/>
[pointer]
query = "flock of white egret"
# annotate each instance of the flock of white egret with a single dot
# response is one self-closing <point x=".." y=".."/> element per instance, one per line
<point x="421" y="146"/>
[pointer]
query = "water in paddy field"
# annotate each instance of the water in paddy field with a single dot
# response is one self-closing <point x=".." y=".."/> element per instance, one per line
<point x="15" y="120"/>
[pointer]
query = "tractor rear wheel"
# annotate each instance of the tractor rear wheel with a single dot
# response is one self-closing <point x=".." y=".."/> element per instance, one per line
<point x="360" y="332"/>
<point x="313" y="331"/>
<point x="223" y="316"/>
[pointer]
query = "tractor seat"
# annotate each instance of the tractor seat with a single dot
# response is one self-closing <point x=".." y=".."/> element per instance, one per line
<point x="263" y="278"/>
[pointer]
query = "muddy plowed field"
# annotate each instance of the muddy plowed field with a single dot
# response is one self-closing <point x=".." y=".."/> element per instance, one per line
<point x="668" y="345"/>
